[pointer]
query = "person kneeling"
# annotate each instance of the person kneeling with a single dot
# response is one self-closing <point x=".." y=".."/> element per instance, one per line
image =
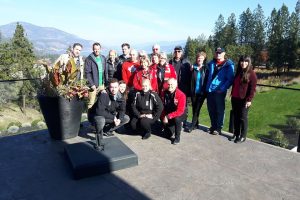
<point x="110" y="113"/>
<point x="174" y="112"/>
<point x="146" y="108"/>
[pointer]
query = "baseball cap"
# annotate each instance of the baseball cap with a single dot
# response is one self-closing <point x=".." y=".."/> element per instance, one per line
<point x="178" y="48"/>
<point x="219" y="50"/>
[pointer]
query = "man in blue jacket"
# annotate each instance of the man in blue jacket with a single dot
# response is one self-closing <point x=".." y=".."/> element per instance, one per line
<point x="220" y="75"/>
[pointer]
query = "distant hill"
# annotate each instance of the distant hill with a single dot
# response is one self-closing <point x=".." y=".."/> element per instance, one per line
<point x="47" y="40"/>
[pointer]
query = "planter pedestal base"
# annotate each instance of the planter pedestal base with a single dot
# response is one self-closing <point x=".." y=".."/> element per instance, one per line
<point x="86" y="161"/>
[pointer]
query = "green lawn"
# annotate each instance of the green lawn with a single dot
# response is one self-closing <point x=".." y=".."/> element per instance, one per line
<point x="268" y="109"/>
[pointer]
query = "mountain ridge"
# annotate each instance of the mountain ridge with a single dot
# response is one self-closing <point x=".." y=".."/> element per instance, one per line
<point x="50" y="40"/>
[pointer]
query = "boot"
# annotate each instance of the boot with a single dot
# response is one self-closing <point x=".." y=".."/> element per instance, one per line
<point x="177" y="139"/>
<point x="146" y="136"/>
<point x="99" y="145"/>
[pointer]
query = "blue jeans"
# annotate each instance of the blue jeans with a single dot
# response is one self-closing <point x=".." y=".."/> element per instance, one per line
<point x="216" y="109"/>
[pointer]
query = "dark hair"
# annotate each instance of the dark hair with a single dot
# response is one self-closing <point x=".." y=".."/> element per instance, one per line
<point x="125" y="44"/>
<point x="121" y="82"/>
<point x="113" y="80"/>
<point x="125" y="94"/>
<point x="77" y="44"/>
<point x="244" y="72"/>
<point x="96" y="44"/>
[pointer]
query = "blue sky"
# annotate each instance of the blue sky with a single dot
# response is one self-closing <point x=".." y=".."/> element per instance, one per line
<point x="114" y="21"/>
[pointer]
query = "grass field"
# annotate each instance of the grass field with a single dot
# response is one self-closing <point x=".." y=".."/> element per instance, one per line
<point x="270" y="110"/>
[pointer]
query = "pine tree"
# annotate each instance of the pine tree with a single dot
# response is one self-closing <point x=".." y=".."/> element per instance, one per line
<point x="278" y="37"/>
<point x="23" y="61"/>
<point x="6" y="61"/>
<point x="258" y="44"/>
<point x="230" y="31"/>
<point x="24" y="57"/>
<point x="190" y="48"/>
<point x="246" y="28"/>
<point x="219" y="32"/>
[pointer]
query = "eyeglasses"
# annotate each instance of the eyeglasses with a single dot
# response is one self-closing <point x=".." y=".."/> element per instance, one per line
<point x="177" y="51"/>
<point x="155" y="48"/>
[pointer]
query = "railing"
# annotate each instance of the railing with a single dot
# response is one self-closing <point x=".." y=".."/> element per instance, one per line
<point x="291" y="130"/>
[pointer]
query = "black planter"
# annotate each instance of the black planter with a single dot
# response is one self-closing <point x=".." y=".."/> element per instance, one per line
<point x="62" y="116"/>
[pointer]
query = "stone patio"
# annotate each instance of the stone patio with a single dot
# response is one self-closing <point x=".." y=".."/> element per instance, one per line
<point x="202" y="166"/>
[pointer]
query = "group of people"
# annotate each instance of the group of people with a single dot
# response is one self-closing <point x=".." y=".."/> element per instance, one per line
<point x="133" y="88"/>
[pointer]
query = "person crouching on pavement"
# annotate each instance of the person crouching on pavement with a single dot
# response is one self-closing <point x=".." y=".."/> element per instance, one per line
<point x="110" y="112"/>
<point x="174" y="113"/>
<point x="147" y="108"/>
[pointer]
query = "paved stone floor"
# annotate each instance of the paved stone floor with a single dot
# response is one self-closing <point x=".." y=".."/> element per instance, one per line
<point x="202" y="166"/>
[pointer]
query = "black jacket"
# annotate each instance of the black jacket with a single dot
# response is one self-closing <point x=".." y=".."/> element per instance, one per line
<point x="91" y="70"/>
<point x="110" y="107"/>
<point x="183" y="72"/>
<point x="111" y="70"/>
<point x="147" y="103"/>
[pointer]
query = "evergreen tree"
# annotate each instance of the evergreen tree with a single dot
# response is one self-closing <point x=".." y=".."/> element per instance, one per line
<point x="258" y="44"/>
<point x="246" y="28"/>
<point x="273" y="37"/>
<point x="230" y="31"/>
<point x="190" y="48"/>
<point x="23" y="62"/>
<point x="219" y="32"/>
<point x="278" y="37"/>
<point x="293" y="41"/>
<point x="6" y="61"/>
<point x="24" y="57"/>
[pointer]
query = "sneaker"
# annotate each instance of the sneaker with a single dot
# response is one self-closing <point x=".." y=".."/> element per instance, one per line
<point x="108" y="134"/>
<point x="214" y="132"/>
<point x="176" y="141"/>
<point x="240" y="140"/>
<point x="190" y="129"/>
<point x="146" y="136"/>
<point x="99" y="148"/>
<point x="232" y="138"/>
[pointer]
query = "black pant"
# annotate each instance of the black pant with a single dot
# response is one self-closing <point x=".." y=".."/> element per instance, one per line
<point x="197" y="102"/>
<point x="143" y="124"/>
<point x="105" y="125"/>
<point x="240" y="117"/>
<point x="174" y="126"/>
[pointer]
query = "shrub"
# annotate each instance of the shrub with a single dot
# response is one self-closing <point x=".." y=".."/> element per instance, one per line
<point x="41" y="125"/>
<point x="18" y="124"/>
<point x="13" y="129"/>
<point x="35" y="122"/>
<point x="278" y="138"/>
<point x="294" y="124"/>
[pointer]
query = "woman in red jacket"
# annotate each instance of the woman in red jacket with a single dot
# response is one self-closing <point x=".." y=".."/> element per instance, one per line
<point x="145" y="72"/>
<point x="243" y="91"/>
<point x="164" y="72"/>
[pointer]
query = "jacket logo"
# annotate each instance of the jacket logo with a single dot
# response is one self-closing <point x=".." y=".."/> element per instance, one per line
<point x="132" y="69"/>
<point x="176" y="101"/>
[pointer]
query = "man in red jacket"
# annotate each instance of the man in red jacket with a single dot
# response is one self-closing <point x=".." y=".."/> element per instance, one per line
<point x="174" y="113"/>
<point x="129" y="68"/>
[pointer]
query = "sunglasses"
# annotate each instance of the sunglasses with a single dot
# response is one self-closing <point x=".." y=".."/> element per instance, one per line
<point x="155" y="49"/>
<point x="177" y="51"/>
